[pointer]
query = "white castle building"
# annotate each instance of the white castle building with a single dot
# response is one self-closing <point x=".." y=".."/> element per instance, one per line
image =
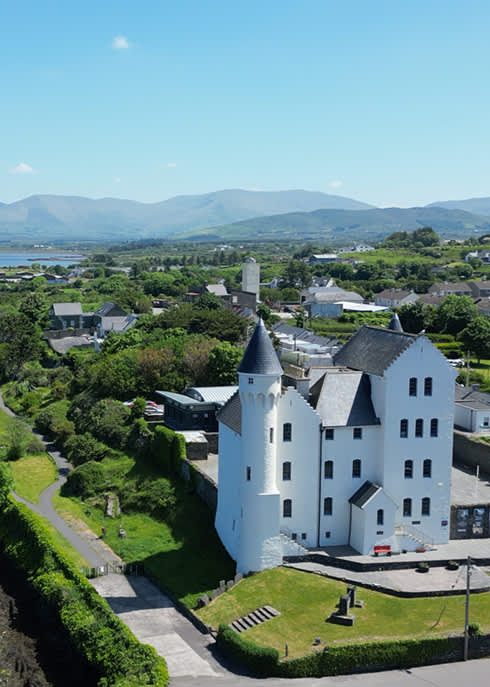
<point x="364" y="460"/>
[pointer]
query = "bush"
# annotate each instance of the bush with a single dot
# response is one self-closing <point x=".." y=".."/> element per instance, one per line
<point x="474" y="630"/>
<point x="85" y="480"/>
<point x="168" y="450"/>
<point x="453" y="565"/>
<point x="80" y="448"/>
<point x="260" y="660"/>
<point x="156" y="496"/>
<point x="34" y="446"/>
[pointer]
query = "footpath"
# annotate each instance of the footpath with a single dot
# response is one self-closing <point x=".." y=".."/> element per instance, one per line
<point x="147" y="611"/>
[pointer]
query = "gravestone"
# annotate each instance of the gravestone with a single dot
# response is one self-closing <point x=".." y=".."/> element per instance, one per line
<point x="238" y="577"/>
<point x="214" y="594"/>
<point x="203" y="600"/>
<point x="344" y="604"/>
<point x="351" y="591"/>
<point x="230" y="584"/>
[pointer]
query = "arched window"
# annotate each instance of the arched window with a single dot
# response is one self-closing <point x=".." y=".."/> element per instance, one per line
<point x="434" y="427"/>
<point x="287" y="508"/>
<point x="328" y="469"/>
<point x="380" y="517"/>
<point x="427" y="471"/>
<point x="327" y="505"/>
<point x="412" y="386"/>
<point x="425" y="506"/>
<point x="404" y="428"/>
<point x="286" y="470"/>
<point x="356" y="468"/>
<point x="407" y="508"/>
<point x="408" y="469"/>
<point x="419" y="427"/>
<point x="428" y="386"/>
<point x="287" y="431"/>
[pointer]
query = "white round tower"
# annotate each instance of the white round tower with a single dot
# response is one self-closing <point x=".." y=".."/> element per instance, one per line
<point x="259" y="385"/>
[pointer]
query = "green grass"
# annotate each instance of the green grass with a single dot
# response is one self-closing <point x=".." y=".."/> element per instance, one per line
<point x="306" y="601"/>
<point x="70" y="552"/>
<point x="185" y="555"/>
<point x="32" y="475"/>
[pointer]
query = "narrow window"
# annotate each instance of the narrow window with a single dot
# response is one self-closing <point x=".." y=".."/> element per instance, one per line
<point x="250" y="380"/>
<point x="419" y="427"/>
<point x="328" y="433"/>
<point x="294" y="536"/>
<point x="327" y="535"/>
<point x="249" y="473"/>
<point x="356" y="468"/>
<point x="286" y="431"/>
<point x="303" y="535"/>
<point x="286" y="470"/>
<point x="271" y="435"/>
<point x="328" y="469"/>
<point x="434" y="427"/>
<point x="404" y="429"/>
<point x="287" y="508"/>
<point x="412" y="386"/>
<point x="426" y="506"/>
<point x="357" y="432"/>
<point x="428" y="386"/>
<point x="427" y="469"/>
<point x="407" y="508"/>
<point x="380" y="517"/>
<point x="327" y="505"/>
<point x="408" y="469"/>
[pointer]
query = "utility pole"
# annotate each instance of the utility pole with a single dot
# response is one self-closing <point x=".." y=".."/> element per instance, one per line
<point x="467" y="609"/>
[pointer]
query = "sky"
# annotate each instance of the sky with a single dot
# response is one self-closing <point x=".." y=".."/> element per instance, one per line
<point x="387" y="102"/>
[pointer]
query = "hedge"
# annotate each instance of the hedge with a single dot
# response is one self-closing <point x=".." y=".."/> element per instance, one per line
<point x="97" y="633"/>
<point x="168" y="449"/>
<point x="338" y="660"/>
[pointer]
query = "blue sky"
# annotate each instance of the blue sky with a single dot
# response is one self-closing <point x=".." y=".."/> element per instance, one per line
<point x="386" y="102"/>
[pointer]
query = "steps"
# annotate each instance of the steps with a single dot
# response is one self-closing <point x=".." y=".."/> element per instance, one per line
<point x="260" y="615"/>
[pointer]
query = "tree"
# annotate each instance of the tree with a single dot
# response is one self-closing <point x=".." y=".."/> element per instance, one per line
<point x="6" y="483"/>
<point x="476" y="337"/>
<point x="297" y="274"/>
<point x="223" y="362"/>
<point x="415" y="316"/>
<point x="455" y="313"/>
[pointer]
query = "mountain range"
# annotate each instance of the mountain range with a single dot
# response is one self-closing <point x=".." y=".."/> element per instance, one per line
<point x="232" y="214"/>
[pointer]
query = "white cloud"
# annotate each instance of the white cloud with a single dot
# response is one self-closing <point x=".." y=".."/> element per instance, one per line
<point x="120" y="43"/>
<point x="22" y="168"/>
<point x="335" y="184"/>
<point x="171" y="164"/>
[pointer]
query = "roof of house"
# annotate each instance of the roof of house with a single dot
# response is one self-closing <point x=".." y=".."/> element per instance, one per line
<point x="67" y="308"/>
<point x="431" y="299"/>
<point x="260" y="357"/>
<point x="217" y="289"/>
<point x="352" y="393"/>
<point x="482" y="284"/>
<point x="372" y="349"/>
<point x="211" y="394"/>
<point x="334" y="295"/>
<point x="231" y="413"/>
<point x="393" y="294"/>
<point x="181" y="399"/>
<point x="449" y="287"/>
<point x="364" y="494"/>
<point x="472" y="398"/>
<point x="303" y="334"/>
<point x="106" y="308"/>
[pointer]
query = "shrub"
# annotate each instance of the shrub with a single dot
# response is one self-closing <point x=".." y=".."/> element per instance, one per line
<point x="85" y="480"/>
<point x="452" y="565"/>
<point x="474" y="630"/>
<point x="260" y="660"/>
<point x="156" y="496"/>
<point x="35" y="445"/>
<point x="80" y="448"/>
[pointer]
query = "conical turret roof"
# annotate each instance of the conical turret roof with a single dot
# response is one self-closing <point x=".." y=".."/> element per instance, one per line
<point x="260" y="357"/>
<point x="395" y="324"/>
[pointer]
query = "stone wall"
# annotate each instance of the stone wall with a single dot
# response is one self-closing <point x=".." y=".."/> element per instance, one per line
<point x="212" y="438"/>
<point x="470" y="451"/>
<point x="204" y="485"/>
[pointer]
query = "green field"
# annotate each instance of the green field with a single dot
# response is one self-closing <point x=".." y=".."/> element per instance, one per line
<point x="305" y="602"/>
<point x="32" y="475"/>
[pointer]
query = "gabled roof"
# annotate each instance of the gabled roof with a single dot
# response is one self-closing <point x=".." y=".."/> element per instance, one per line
<point x="394" y="294"/>
<point x="217" y="289"/>
<point x="373" y="350"/>
<point x="211" y="394"/>
<point x="67" y="308"/>
<point x="364" y="494"/>
<point x="471" y="398"/>
<point x="108" y="308"/>
<point x="231" y="413"/>
<point x="260" y="357"/>
<point x="342" y="398"/>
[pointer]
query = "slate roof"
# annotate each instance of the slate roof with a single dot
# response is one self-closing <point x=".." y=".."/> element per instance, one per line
<point x="231" y="413"/>
<point x="67" y="308"/>
<point x="342" y="398"/>
<point x="303" y="334"/>
<point x="393" y="294"/>
<point x="211" y="394"/>
<point x="472" y="398"/>
<point x="260" y="357"/>
<point x="364" y="494"/>
<point x="107" y="308"/>
<point x="373" y="350"/>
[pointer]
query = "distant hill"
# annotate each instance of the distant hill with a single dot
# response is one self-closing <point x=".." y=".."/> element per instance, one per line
<point x="480" y="206"/>
<point x="338" y="226"/>
<point x="51" y="217"/>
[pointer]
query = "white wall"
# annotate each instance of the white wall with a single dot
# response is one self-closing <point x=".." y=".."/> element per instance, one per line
<point x="227" y="521"/>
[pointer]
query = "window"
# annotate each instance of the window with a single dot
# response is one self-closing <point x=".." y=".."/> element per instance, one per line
<point x="357" y="433"/>
<point x="286" y="431"/>
<point x="404" y="429"/>
<point x="428" y="386"/>
<point x="250" y="380"/>
<point x="356" y="468"/>
<point x="294" y="536"/>
<point x="425" y="506"/>
<point x="327" y="505"/>
<point x="412" y="386"/>
<point x="419" y="427"/>
<point x="286" y="470"/>
<point x="427" y="469"/>
<point x="249" y="473"/>
<point x="328" y="433"/>
<point x="434" y="427"/>
<point x="328" y="469"/>
<point x="303" y="535"/>
<point x="327" y="535"/>
<point x="380" y="517"/>
<point x="408" y="469"/>
<point x="271" y="435"/>
<point x="407" y="508"/>
<point x="287" y="508"/>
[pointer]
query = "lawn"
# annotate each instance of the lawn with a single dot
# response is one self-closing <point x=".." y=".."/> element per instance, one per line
<point x="32" y="474"/>
<point x="306" y="601"/>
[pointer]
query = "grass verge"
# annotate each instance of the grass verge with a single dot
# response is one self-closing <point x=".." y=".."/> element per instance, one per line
<point x="32" y="475"/>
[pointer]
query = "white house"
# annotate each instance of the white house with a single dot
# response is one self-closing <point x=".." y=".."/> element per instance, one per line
<point x="364" y="459"/>
<point x="472" y="409"/>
